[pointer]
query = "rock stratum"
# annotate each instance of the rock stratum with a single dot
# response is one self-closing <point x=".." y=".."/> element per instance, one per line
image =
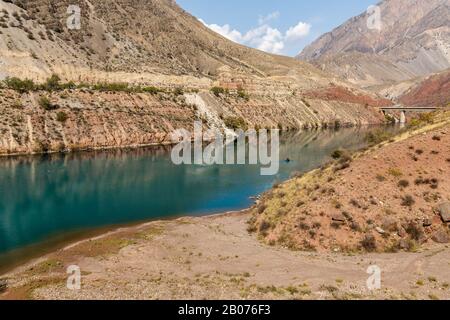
<point x="153" y="44"/>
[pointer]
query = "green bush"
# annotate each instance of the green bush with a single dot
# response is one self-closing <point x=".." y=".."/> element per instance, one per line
<point x="369" y="243"/>
<point x="151" y="90"/>
<point x="243" y="95"/>
<point x="218" y="91"/>
<point x="235" y="123"/>
<point x="408" y="201"/>
<point x="337" y="154"/>
<point x="52" y="83"/>
<point x="113" y="86"/>
<point x="422" y="120"/>
<point x="68" y="85"/>
<point x="378" y="136"/>
<point x="20" y="85"/>
<point x="178" y="91"/>
<point x="45" y="103"/>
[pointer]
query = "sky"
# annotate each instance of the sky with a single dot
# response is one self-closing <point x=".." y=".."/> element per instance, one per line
<point x="277" y="26"/>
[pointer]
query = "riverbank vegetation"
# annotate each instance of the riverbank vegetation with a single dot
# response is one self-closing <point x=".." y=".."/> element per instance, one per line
<point x="54" y="84"/>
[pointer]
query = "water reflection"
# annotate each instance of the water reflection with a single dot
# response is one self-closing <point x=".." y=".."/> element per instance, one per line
<point x="46" y="196"/>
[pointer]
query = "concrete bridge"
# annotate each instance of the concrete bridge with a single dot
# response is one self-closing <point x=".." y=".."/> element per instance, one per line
<point x="403" y="110"/>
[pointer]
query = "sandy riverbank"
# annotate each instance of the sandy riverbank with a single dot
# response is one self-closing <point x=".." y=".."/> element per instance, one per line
<point x="216" y="258"/>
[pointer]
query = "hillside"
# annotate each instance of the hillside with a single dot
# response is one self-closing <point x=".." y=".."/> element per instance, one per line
<point x="433" y="91"/>
<point x="385" y="199"/>
<point x="158" y="46"/>
<point x="413" y="42"/>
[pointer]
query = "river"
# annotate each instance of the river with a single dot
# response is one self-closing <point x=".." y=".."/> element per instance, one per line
<point x="51" y="199"/>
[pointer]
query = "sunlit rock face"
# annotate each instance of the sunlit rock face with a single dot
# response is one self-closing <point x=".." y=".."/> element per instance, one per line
<point x="413" y="41"/>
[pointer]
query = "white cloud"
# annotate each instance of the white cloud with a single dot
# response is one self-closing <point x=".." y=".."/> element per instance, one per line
<point x="263" y="37"/>
<point x="271" y="16"/>
<point x="225" y="31"/>
<point x="301" y="30"/>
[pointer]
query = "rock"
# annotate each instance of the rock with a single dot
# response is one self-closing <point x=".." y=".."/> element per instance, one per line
<point x="441" y="237"/>
<point x="390" y="224"/>
<point x="427" y="222"/>
<point x="444" y="211"/>
<point x="401" y="233"/>
<point x="355" y="226"/>
<point x="404" y="244"/>
<point x="379" y="230"/>
<point x="338" y="217"/>
<point x="3" y="285"/>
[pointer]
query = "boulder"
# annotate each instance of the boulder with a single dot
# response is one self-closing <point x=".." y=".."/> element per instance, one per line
<point x="441" y="236"/>
<point x="338" y="217"/>
<point x="444" y="211"/>
<point x="390" y="224"/>
<point x="404" y="244"/>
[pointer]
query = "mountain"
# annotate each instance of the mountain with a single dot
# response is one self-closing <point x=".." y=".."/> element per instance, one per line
<point x="433" y="91"/>
<point x="414" y="41"/>
<point x="157" y="45"/>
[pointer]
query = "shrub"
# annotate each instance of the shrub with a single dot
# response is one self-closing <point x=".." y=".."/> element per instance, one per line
<point x="355" y="203"/>
<point x="304" y="226"/>
<point x="243" y="95"/>
<point x="403" y="183"/>
<point x="337" y="154"/>
<point x="45" y="103"/>
<point x="17" y="104"/>
<point x="178" y="91"/>
<point x="262" y="208"/>
<point x="68" y="85"/>
<point x="369" y="243"/>
<point x="378" y="136"/>
<point x="52" y="83"/>
<point x="264" y="226"/>
<point x="20" y="85"/>
<point x="344" y="160"/>
<point x="436" y="138"/>
<point x="414" y="230"/>
<point x="41" y="147"/>
<point x="113" y="87"/>
<point x="390" y="119"/>
<point x="218" y="91"/>
<point x="395" y="172"/>
<point x="421" y="120"/>
<point x="408" y="201"/>
<point x="336" y="225"/>
<point x="61" y="116"/>
<point x="151" y="90"/>
<point x="235" y="123"/>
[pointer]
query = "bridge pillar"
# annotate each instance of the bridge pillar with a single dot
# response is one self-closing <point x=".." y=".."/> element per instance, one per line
<point x="402" y="117"/>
